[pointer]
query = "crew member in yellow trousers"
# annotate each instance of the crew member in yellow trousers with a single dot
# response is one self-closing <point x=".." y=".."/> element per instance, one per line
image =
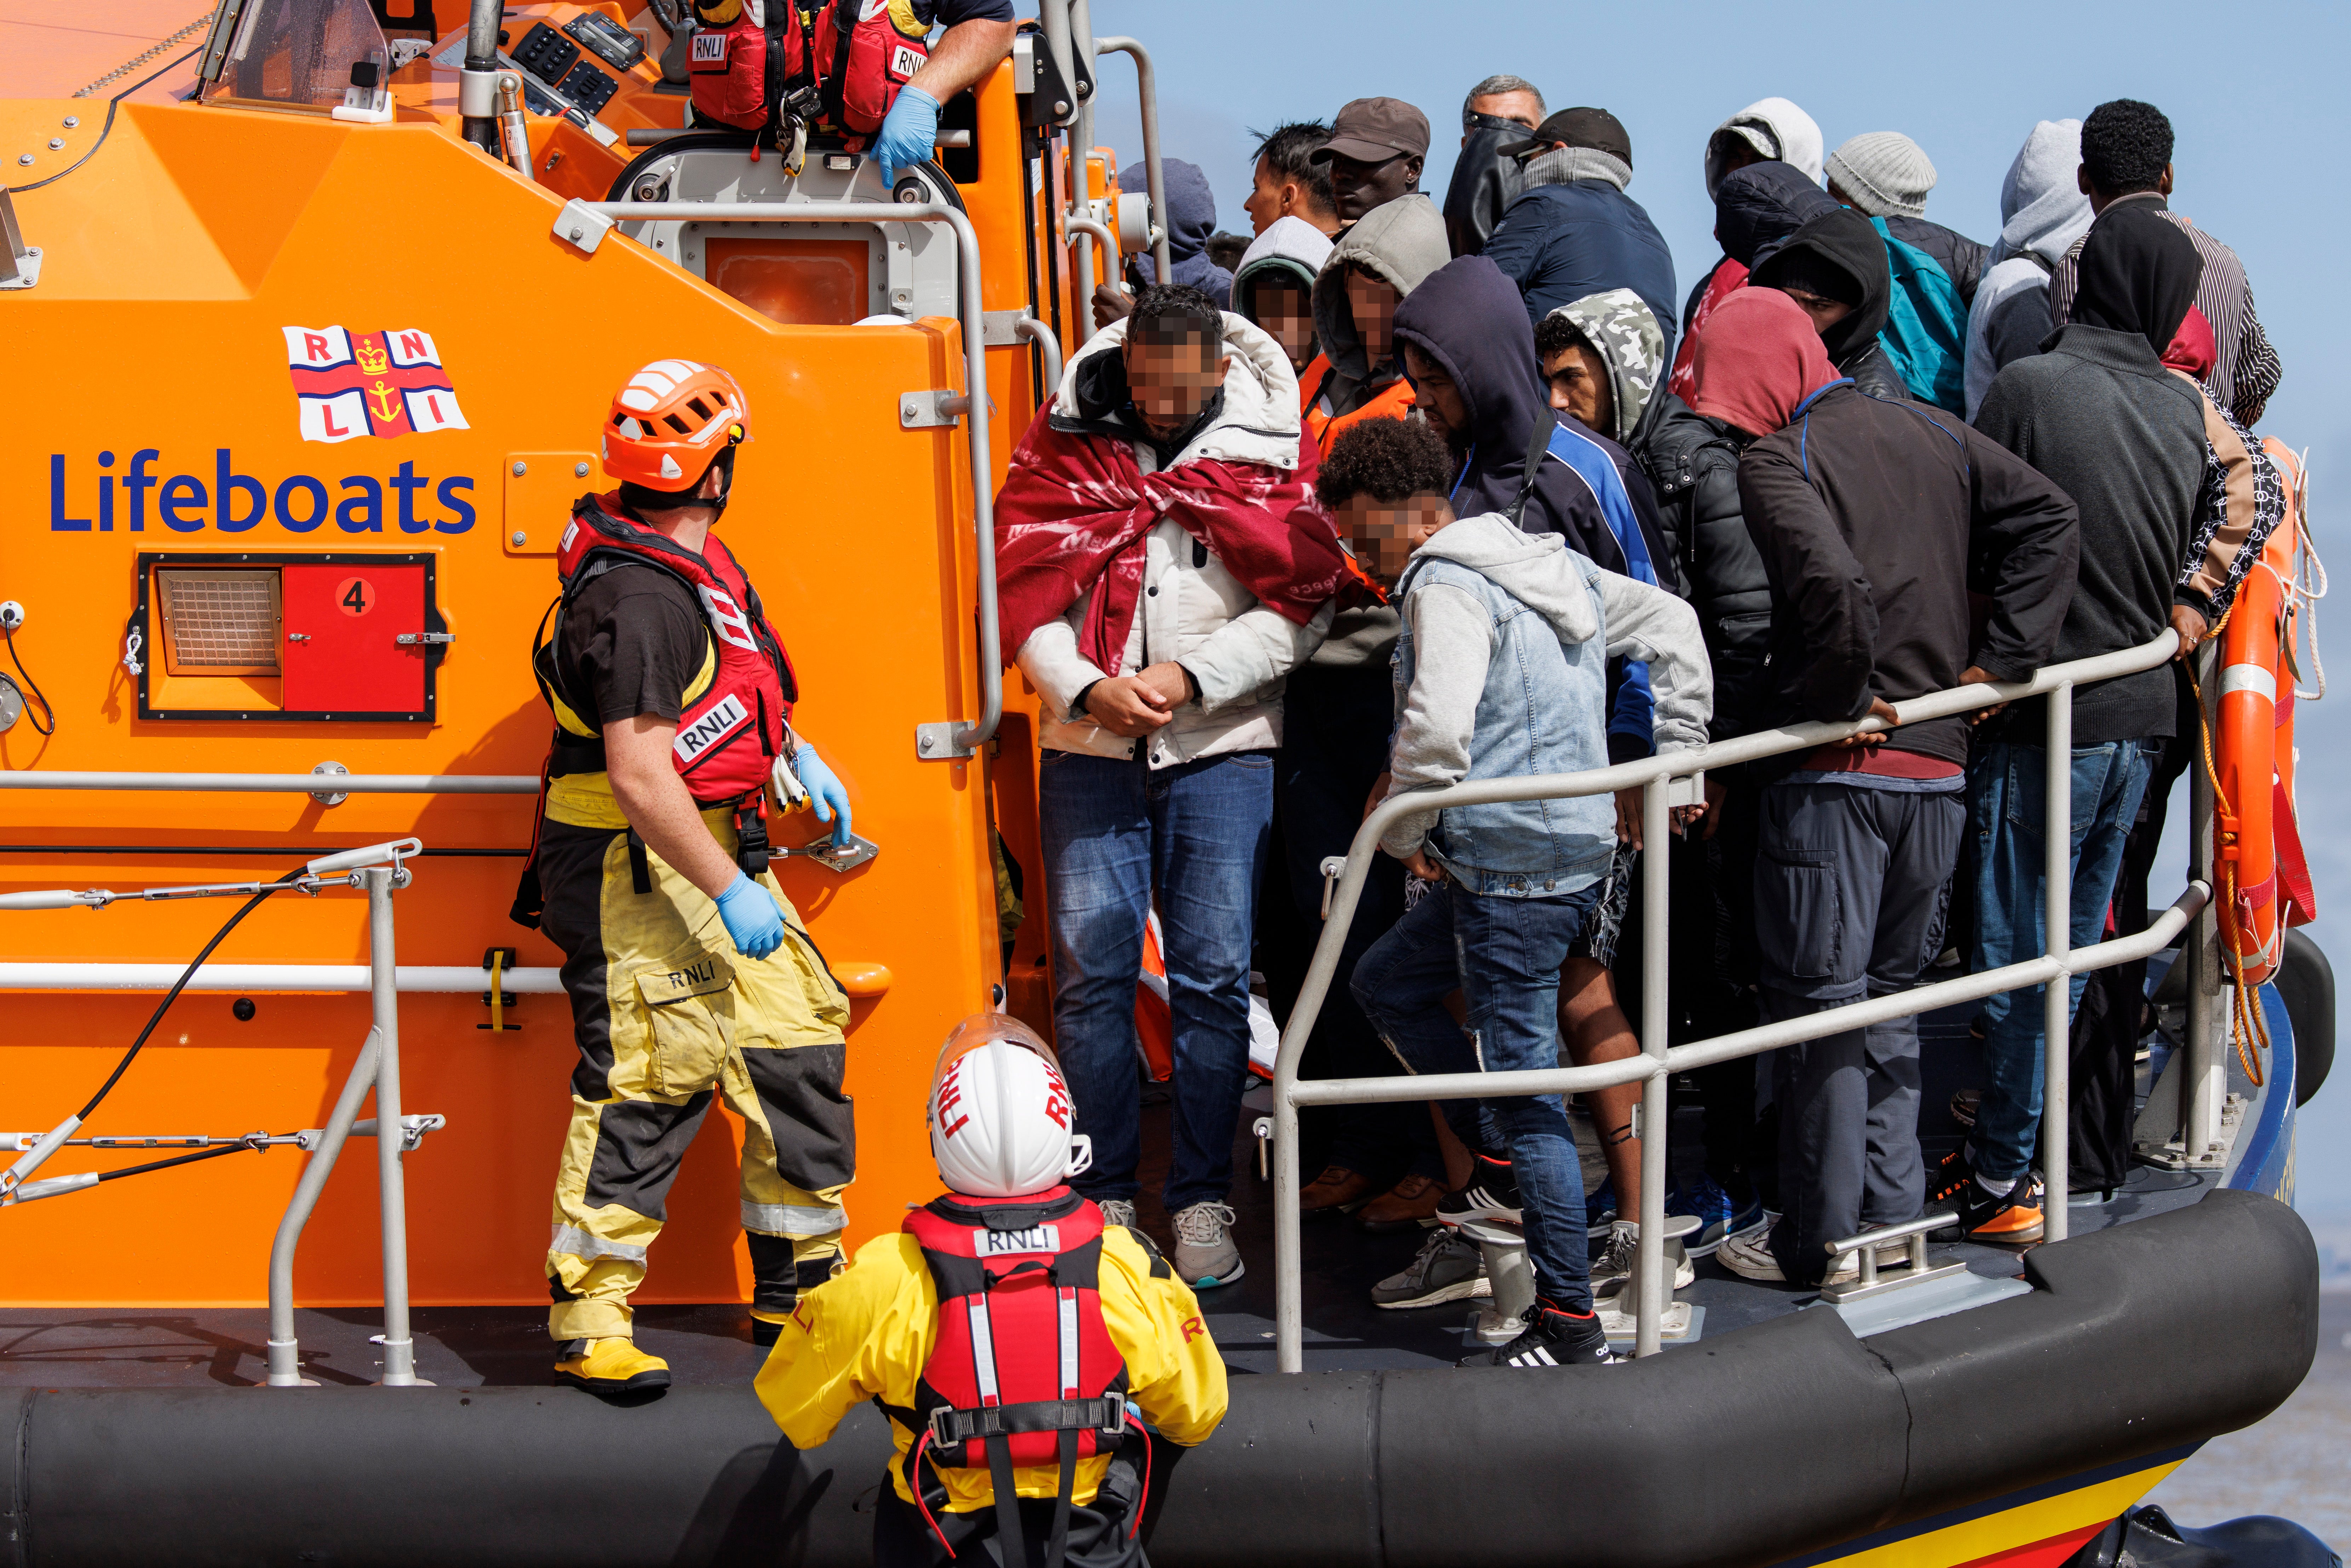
<point x="1016" y="1341"/>
<point x="689" y="972"/>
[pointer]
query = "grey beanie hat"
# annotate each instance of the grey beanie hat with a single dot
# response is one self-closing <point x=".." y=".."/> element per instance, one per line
<point x="1883" y="173"/>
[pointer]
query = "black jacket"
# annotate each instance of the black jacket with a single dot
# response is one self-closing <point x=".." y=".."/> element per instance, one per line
<point x="1868" y="513"/>
<point x="1693" y="463"/>
<point x="1483" y="185"/>
<point x="2100" y="415"/>
<point x="1958" y="254"/>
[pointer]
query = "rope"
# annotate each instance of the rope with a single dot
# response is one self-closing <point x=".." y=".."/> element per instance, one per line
<point x="2308" y="584"/>
<point x="164" y="48"/>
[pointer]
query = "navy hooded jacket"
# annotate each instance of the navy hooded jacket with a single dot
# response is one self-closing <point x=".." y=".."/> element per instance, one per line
<point x="1191" y="219"/>
<point x="1560" y="243"/>
<point x="1467" y="317"/>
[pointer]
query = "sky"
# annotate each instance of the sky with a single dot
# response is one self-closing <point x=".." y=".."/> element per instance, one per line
<point x="2254" y="92"/>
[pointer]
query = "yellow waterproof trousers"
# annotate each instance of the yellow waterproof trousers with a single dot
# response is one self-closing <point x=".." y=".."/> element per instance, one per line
<point x="667" y="1014"/>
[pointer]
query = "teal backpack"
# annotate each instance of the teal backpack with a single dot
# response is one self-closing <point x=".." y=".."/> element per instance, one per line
<point x="1926" y="333"/>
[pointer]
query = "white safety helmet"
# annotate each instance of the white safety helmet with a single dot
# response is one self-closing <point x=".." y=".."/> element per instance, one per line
<point x="1000" y="1113"/>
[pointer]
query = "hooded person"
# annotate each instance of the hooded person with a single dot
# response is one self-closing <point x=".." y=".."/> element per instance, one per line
<point x="2042" y="210"/>
<point x="1835" y="268"/>
<point x="1572" y="230"/>
<point x="1191" y="219"/>
<point x="1378" y="263"/>
<point x="1273" y="289"/>
<point x="1755" y="209"/>
<point x="1767" y="129"/>
<point x="1472" y="362"/>
<point x="1877" y="518"/>
<point x="1618" y="331"/>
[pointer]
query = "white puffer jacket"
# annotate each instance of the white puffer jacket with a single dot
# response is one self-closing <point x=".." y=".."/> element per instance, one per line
<point x="1192" y="610"/>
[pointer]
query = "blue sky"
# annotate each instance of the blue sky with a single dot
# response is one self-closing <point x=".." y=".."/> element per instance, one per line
<point x="2254" y="92"/>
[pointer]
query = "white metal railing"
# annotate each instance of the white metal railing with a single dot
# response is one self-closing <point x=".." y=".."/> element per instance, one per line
<point x="1654" y="775"/>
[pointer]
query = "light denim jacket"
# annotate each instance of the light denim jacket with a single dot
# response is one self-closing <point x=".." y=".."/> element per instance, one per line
<point x="1500" y="671"/>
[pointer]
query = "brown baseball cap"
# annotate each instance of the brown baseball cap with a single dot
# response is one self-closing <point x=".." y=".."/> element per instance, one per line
<point x="1594" y="127"/>
<point x="1374" y="129"/>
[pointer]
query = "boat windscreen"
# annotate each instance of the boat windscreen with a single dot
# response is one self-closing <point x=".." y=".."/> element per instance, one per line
<point x="301" y="54"/>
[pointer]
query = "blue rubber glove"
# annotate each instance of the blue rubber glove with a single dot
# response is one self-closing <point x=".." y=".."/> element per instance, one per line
<point x="826" y="792"/>
<point x="751" y="917"/>
<point x="909" y="131"/>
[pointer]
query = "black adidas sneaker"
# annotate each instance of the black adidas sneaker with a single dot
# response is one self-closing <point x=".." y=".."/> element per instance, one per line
<point x="1552" y="1338"/>
<point x="1492" y="1194"/>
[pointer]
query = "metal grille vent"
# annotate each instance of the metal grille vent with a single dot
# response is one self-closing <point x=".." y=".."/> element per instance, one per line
<point x="220" y="623"/>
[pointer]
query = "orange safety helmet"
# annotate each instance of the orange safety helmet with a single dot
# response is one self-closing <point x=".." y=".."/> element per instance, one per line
<point x="671" y="421"/>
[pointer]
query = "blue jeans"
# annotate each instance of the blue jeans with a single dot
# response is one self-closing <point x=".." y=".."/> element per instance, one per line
<point x="2005" y="790"/>
<point x="1504" y="955"/>
<point x="1114" y="831"/>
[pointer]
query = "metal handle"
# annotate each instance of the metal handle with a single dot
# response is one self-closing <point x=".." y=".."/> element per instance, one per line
<point x="429" y="639"/>
<point x="298" y="636"/>
<point x="1147" y="87"/>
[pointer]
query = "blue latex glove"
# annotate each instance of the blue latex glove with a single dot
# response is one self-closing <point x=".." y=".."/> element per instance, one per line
<point x="909" y="131"/>
<point x="826" y="792"/>
<point x="751" y="917"/>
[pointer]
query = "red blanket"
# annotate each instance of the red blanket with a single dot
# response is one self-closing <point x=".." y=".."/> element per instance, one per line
<point x="1076" y="510"/>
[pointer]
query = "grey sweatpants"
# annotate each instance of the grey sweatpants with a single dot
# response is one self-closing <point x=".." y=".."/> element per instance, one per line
<point x="1849" y="897"/>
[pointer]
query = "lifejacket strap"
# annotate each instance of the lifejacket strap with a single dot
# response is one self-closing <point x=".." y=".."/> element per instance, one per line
<point x="950" y="1426"/>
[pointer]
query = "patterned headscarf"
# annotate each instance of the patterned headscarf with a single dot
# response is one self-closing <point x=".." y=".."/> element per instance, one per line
<point x="1625" y="333"/>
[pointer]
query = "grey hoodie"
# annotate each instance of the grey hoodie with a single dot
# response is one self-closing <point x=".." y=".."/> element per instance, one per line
<point x="1436" y="720"/>
<point x="2041" y="213"/>
<point x="1403" y="241"/>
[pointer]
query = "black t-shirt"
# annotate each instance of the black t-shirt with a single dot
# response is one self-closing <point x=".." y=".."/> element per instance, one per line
<point x="635" y="638"/>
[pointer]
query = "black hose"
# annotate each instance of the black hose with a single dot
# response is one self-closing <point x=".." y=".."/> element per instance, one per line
<point x="247" y="907"/>
<point x="104" y="130"/>
<point x="34" y="687"/>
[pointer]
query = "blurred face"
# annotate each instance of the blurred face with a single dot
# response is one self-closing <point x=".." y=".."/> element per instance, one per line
<point x="1357" y="187"/>
<point x="1373" y="302"/>
<point x="1172" y="382"/>
<point x="1733" y="151"/>
<point x="1521" y="106"/>
<point x="1287" y="313"/>
<point x="1383" y="534"/>
<point x="1580" y="387"/>
<point x="1436" y="397"/>
<point x="1825" y="312"/>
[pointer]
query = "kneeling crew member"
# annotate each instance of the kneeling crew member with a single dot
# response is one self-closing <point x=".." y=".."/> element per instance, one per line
<point x="1005" y="1329"/>
<point x="689" y="971"/>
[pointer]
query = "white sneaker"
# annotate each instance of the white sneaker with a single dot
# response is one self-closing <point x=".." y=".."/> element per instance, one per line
<point x="1205" y="1253"/>
<point x="1117" y="1211"/>
<point x="1749" y="1257"/>
<point x="1613" y="1269"/>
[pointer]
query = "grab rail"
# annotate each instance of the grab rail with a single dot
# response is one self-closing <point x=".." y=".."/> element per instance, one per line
<point x="1654" y="777"/>
<point x="971" y="313"/>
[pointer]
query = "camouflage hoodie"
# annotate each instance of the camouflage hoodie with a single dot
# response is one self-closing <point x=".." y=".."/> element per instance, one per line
<point x="1625" y="335"/>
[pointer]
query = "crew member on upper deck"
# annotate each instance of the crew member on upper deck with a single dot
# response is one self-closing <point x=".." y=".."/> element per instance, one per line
<point x="688" y="969"/>
<point x="878" y="79"/>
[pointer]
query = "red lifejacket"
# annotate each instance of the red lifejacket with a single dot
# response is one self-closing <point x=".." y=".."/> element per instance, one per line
<point x="728" y="737"/>
<point x="850" y="53"/>
<point x="1023" y="1370"/>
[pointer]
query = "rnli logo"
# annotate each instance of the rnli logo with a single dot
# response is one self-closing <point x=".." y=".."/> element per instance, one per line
<point x="1004" y="1243"/>
<point x="727" y="716"/>
<point x="710" y="50"/>
<point x="904" y="62"/>
<point x="348" y="384"/>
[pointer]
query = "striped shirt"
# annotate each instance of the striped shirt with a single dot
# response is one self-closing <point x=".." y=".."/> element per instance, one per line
<point x="2245" y="369"/>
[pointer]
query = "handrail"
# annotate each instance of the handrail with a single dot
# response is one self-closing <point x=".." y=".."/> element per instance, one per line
<point x="282" y="783"/>
<point x="1146" y="88"/>
<point x="970" y="312"/>
<point x="1049" y="351"/>
<point x="1653" y="776"/>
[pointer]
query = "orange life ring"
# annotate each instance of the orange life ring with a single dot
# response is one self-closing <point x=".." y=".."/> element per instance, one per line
<point x="2256" y="698"/>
